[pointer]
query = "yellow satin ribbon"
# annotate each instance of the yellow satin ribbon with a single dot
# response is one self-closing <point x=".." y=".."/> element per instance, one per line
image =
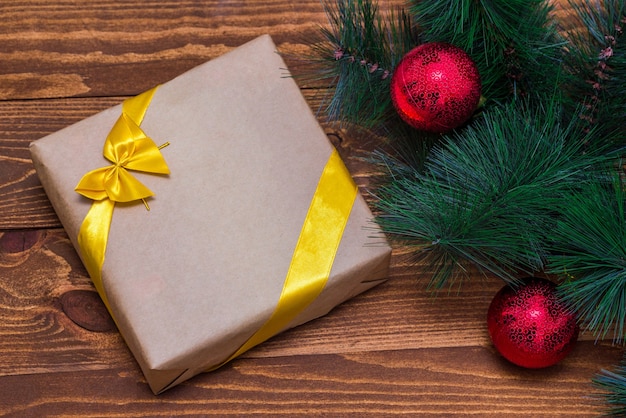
<point x="128" y="148"/>
<point x="314" y="253"/>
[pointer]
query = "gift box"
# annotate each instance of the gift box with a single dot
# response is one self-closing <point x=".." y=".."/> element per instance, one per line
<point x="211" y="213"/>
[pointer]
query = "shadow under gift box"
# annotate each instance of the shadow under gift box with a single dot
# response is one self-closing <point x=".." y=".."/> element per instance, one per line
<point x="190" y="281"/>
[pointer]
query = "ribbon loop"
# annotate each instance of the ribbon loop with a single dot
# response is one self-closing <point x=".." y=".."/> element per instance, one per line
<point x="128" y="148"/>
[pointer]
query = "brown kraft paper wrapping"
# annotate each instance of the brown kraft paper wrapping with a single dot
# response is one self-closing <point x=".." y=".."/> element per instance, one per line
<point x="189" y="281"/>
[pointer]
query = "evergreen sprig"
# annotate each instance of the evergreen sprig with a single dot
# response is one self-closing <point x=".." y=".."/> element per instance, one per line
<point x="589" y="250"/>
<point x="612" y="386"/>
<point x="597" y="60"/>
<point x="515" y="43"/>
<point x="488" y="194"/>
<point x="524" y="186"/>
<point x="359" y="50"/>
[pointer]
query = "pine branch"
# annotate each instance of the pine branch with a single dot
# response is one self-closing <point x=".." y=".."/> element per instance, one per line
<point x="488" y="194"/>
<point x="597" y="60"/>
<point x="515" y="43"/>
<point x="590" y="251"/>
<point x="612" y="385"/>
<point x="359" y="51"/>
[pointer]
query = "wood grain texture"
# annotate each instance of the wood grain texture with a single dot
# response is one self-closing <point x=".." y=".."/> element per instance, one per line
<point x="103" y="48"/>
<point x="23" y="203"/>
<point x="440" y="382"/>
<point x="396" y="349"/>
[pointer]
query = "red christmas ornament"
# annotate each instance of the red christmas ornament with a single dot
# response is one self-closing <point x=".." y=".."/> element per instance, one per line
<point x="435" y="87"/>
<point x="530" y="326"/>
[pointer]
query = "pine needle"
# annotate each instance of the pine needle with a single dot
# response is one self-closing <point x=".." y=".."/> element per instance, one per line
<point x="488" y="194"/>
<point x="515" y="43"/>
<point x="590" y="251"/>
<point x="360" y="49"/>
<point x="596" y="60"/>
<point x="612" y="385"/>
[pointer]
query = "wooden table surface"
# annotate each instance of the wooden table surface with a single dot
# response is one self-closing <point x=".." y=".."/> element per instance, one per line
<point x="396" y="349"/>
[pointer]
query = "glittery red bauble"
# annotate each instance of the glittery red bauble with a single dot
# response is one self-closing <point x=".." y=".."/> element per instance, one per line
<point x="530" y="326"/>
<point x="435" y="87"/>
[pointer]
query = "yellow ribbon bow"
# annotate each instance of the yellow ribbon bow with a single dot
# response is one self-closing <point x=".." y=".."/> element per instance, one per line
<point x="128" y="148"/>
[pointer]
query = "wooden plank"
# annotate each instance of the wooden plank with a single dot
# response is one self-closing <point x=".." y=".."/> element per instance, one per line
<point x="106" y="48"/>
<point x="430" y="382"/>
<point x="37" y="268"/>
<point x="23" y="203"/>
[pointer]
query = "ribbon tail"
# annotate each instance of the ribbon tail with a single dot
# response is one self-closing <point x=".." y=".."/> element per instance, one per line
<point x="136" y="107"/>
<point x="314" y="253"/>
<point x="92" y="240"/>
